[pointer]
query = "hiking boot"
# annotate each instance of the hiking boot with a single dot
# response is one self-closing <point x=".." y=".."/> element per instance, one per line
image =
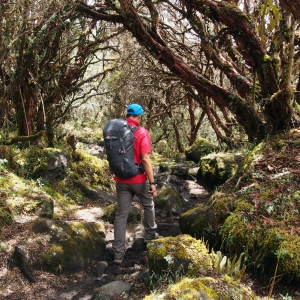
<point x="118" y="261"/>
<point x="157" y="236"/>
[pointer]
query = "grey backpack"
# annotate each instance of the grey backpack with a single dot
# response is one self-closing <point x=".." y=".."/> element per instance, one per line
<point x="119" y="147"/>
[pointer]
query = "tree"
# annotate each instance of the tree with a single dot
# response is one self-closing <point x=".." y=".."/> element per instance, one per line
<point x="170" y="108"/>
<point x="174" y="31"/>
<point x="292" y="6"/>
<point x="45" y="52"/>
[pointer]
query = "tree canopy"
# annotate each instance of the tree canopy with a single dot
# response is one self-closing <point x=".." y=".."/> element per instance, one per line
<point x="201" y="42"/>
<point x="235" y="61"/>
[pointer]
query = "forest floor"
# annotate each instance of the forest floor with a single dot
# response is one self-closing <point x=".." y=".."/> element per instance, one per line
<point x="85" y="284"/>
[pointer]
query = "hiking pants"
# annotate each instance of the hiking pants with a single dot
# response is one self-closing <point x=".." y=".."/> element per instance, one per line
<point x="125" y="193"/>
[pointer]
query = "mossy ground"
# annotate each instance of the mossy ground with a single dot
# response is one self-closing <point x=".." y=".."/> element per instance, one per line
<point x="257" y="212"/>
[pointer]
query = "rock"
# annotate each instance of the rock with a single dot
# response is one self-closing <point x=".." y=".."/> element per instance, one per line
<point x="216" y="168"/>
<point x="184" y="257"/>
<point x="205" y="288"/>
<point x="181" y="255"/>
<point x="166" y="229"/>
<point x="47" y="208"/>
<point x="58" y="160"/>
<point x="109" y="213"/>
<point x="113" y="289"/>
<point x="100" y="268"/>
<point x="72" y="245"/>
<point x="141" y="275"/>
<point x="181" y="169"/>
<point x="200" y="147"/>
<point x="168" y="202"/>
<point x="196" y="221"/>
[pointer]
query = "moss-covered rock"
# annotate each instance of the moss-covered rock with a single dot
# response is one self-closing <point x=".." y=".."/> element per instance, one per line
<point x="182" y="170"/>
<point x="207" y="288"/>
<point x="181" y="254"/>
<point x="109" y="214"/>
<point x="169" y="201"/>
<point x="197" y="221"/>
<point x="47" y="208"/>
<point x="216" y="168"/>
<point x="72" y="244"/>
<point x="206" y="219"/>
<point x="200" y="147"/>
<point x="185" y="257"/>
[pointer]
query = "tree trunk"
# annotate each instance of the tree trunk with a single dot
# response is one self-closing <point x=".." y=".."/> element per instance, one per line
<point x="292" y="6"/>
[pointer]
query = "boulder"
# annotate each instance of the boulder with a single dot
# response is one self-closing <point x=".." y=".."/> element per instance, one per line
<point x="180" y="255"/>
<point x="216" y="168"/>
<point x="206" y="288"/>
<point x="200" y="147"/>
<point x="109" y="213"/>
<point x="197" y="221"/>
<point x="184" y="170"/>
<point x="188" y="259"/>
<point x="71" y="246"/>
<point x="112" y="290"/>
<point x="168" y="201"/>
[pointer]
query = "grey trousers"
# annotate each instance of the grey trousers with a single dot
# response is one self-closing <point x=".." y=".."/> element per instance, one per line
<point x="125" y="193"/>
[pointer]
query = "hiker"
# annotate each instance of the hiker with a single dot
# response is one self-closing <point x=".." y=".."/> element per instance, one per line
<point x="142" y="185"/>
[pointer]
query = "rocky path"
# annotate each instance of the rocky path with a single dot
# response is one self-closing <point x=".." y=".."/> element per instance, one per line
<point x="103" y="277"/>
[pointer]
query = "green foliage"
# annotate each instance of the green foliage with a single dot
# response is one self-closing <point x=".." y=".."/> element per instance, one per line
<point x="222" y="264"/>
<point x="270" y="15"/>
<point x="2" y="164"/>
<point x="286" y="297"/>
<point x="5" y="215"/>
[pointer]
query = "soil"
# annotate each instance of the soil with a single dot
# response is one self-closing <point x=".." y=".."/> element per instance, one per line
<point x="85" y="284"/>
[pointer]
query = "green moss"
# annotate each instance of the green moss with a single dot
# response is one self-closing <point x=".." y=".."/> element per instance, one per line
<point x="243" y="205"/>
<point x="266" y="58"/>
<point x="236" y="234"/>
<point x="277" y="143"/>
<point x="5" y="215"/>
<point x="74" y="241"/>
<point x="54" y="258"/>
<point x="205" y="288"/>
<point x="222" y="206"/>
<point x="189" y="289"/>
<point x="200" y="147"/>
<point x="266" y="195"/>
<point x="93" y="170"/>
<point x="197" y="221"/>
<point x="289" y="256"/>
<point x="169" y="200"/>
<point x="186" y="255"/>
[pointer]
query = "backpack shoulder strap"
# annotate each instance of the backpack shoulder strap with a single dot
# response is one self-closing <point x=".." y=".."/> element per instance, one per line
<point x="134" y="128"/>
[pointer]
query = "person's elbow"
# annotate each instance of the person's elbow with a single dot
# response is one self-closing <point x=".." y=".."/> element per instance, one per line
<point x="146" y="158"/>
